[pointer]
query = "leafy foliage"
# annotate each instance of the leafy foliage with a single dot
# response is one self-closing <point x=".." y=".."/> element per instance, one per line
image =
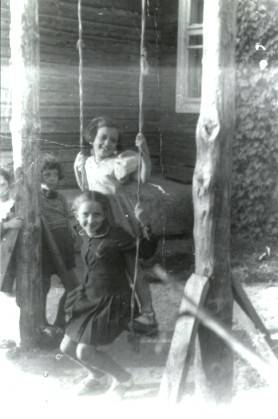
<point x="255" y="149"/>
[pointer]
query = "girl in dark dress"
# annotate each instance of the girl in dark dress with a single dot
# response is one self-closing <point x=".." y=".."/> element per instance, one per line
<point x="99" y="309"/>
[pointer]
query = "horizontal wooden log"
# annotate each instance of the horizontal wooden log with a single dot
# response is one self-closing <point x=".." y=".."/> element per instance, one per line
<point x="94" y="41"/>
<point x="99" y="87"/>
<point x="71" y="99"/>
<point x="70" y="125"/>
<point x="67" y="125"/>
<point x="185" y="156"/>
<point x="119" y="5"/>
<point x="119" y="8"/>
<point x="107" y="29"/>
<point x="63" y="55"/>
<point x="59" y="111"/>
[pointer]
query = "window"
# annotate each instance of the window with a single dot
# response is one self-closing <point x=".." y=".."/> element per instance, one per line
<point x="189" y="57"/>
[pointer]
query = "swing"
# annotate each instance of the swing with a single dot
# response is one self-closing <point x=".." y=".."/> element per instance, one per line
<point x="142" y="71"/>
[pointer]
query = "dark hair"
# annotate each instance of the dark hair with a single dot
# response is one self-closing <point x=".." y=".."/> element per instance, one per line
<point x="6" y="175"/>
<point x="49" y="162"/>
<point x="92" y="196"/>
<point x="92" y="128"/>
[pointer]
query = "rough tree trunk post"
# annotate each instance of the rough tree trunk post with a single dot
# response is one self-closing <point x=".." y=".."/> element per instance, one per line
<point x="25" y="129"/>
<point x="212" y="185"/>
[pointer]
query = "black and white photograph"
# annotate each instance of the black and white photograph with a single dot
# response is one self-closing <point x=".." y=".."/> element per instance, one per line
<point x="139" y="208"/>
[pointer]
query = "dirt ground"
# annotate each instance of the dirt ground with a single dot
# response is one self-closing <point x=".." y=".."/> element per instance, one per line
<point x="44" y="381"/>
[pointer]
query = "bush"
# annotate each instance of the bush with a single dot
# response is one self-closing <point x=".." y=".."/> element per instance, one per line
<point x="255" y="148"/>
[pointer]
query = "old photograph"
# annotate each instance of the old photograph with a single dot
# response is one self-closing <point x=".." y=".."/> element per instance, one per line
<point x="139" y="208"/>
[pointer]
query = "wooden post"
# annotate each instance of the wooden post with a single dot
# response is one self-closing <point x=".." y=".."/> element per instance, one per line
<point x="173" y="382"/>
<point x="25" y="129"/>
<point x="212" y="185"/>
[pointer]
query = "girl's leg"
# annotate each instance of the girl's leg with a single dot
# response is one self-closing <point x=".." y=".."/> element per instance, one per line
<point x="91" y="357"/>
<point x="60" y="317"/>
<point x="146" y="322"/>
<point x="143" y="292"/>
<point x="68" y="347"/>
<point x="45" y="290"/>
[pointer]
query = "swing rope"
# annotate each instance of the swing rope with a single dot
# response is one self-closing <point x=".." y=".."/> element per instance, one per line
<point x="140" y="129"/>
<point x="80" y="74"/>
<point x="84" y="183"/>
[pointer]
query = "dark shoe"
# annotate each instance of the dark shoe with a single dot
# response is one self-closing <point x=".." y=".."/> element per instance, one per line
<point x="123" y="387"/>
<point x="91" y="385"/>
<point x="146" y="324"/>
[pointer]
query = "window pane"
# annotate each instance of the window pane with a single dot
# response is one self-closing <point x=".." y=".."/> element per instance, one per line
<point x="194" y="72"/>
<point x="196" y="12"/>
<point x="195" y="40"/>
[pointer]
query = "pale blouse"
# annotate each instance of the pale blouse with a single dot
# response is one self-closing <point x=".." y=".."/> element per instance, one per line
<point x="123" y="197"/>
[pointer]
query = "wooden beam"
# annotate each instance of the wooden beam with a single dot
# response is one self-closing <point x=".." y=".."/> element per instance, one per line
<point x="183" y="341"/>
<point x="25" y="130"/>
<point x="212" y="186"/>
<point x="246" y="305"/>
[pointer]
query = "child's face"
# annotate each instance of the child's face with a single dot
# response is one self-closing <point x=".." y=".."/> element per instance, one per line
<point x="4" y="187"/>
<point x="91" y="217"/>
<point x="105" y="142"/>
<point x="50" y="178"/>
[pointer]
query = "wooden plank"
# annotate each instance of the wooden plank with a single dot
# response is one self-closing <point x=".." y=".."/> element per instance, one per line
<point x="257" y="337"/>
<point x="246" y="305"/>
<point x="7" y="248"/>
<point x="267" y="367"/>
<point x="184" y="175"/>
<point x="63" y="125"/>
<point x="89" y="10"/>
<point x="183" y="340"/>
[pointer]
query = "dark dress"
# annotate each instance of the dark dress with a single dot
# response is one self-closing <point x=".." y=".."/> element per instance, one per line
<point x="99" y="309"/>
<point x="55" y="211"/>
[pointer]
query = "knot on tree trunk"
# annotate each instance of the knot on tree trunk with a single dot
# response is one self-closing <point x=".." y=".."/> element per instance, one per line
<point x="208" y="127"/>
<point x="203" y="178"/>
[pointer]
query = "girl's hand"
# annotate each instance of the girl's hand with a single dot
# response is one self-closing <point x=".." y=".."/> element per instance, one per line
<point x="79" y="162"/>
<point x="141" y="143"/>
<point x="14" y="223"/>
<point x="140" y="214"/>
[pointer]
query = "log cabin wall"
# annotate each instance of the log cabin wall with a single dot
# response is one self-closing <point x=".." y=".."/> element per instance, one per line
<point x="177" y="129"/>
<point x="111" y="35"/>
<point x="5" y="142"/>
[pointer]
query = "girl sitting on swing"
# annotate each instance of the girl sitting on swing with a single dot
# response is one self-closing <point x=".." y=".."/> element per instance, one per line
<point x="99" y="309"/>
<point x="116" y="174"/>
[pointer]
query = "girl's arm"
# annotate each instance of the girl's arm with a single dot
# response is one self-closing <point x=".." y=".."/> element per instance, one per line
<point x="146" y="165"/>
<point x="79" y="171"/>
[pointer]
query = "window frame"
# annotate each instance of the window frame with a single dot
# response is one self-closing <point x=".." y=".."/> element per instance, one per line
<point x="184" y="103"/>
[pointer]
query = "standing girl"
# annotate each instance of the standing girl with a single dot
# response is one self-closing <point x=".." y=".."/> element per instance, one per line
<point x="99" y="309"/>
<point x="55" y="211"/>
<point x="9" y="316"/>
<point x="102" y="172"/>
